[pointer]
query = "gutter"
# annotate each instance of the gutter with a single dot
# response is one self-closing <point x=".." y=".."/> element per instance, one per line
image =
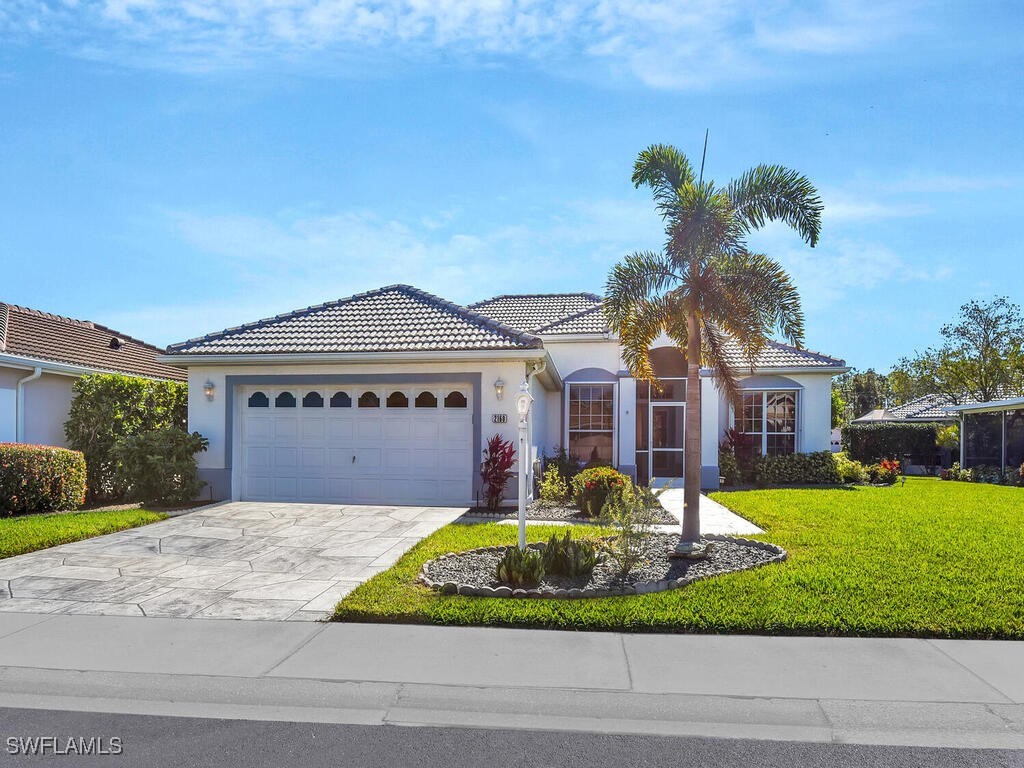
<point x="19" y="404"/>
<point x="184" y="360"/>
<point x="65" y="369"/>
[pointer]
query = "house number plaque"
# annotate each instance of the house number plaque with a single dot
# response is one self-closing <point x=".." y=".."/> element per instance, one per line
<point x="499" y="418"/>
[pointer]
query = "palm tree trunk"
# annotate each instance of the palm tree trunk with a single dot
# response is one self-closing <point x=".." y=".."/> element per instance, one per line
<point x="691" y="440"/>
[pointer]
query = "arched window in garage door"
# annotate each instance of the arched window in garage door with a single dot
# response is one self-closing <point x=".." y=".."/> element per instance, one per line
<point x="284" y="400"/>
<point x="455" y="400"/>
<point x="426" y="400"/>
<point x="259" y="400"/>
<point x="369" y="400"/>
<point x="341" y="400"/>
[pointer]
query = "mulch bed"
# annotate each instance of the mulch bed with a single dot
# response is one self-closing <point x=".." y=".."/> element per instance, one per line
<point x="543" y="510"/>
<point x="473" y="572"/>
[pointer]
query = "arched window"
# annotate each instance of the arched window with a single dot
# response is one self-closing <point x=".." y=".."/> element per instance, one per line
<point x="455" y="400"/>
<point x="426" y="400"/>
<point x="313" y="400"/>
<point x="259" y="400"/>
<point x="397" y="400"/>
<point x="284" y="400"/>
<point x="369" y="400"/>
<point x="341" y="400"/>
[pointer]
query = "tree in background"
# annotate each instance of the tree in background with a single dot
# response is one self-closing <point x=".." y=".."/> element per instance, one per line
<point x="863" y="391"/>
<point x="838" y="408"/>
<point x="982" y="354"/>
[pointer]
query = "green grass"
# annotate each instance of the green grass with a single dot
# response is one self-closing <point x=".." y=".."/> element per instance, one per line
<point x="19" y="535"/>
<point x="931" y="559"/>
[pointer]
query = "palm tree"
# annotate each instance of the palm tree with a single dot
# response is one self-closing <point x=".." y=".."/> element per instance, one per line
<point x="705" y="289"/>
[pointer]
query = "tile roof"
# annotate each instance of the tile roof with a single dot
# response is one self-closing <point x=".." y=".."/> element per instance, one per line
<point x="398" y="318"/>
<point x="779" y="355"/>
<point x="933" y="407"/>
<point x="590" y="320"/>
<point x="538" y="312"/>
<point x="52" y="338"/>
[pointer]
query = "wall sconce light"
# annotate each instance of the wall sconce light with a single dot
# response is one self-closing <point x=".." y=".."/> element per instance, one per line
<point x="209" y="389"/>
<point x="499" y="389"/>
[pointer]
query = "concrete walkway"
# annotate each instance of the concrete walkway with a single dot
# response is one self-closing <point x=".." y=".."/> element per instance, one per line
<point x="880" y="691"/>
<point x="236" y="560"/>
<point x="714" y="518"/>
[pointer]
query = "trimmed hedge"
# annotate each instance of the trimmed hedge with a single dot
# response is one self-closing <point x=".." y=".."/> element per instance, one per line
<point x="159" y="466"/>
<point x="797" y="469"/>
<point x="40" y="478"/>
<point x="870" y="443"/>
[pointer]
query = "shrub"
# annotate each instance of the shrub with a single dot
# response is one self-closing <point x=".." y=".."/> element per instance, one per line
<point x="884" y="472"/>
<point x="40" y="478"/>
<point x="728" y="468"/>
<point x="553" y="487"/>
<point x="520" y="567"/>
<point x="631" y="510"/>
<point x="590" y="488"/>
<point x="948" y="437"/>
<point x="797" y="469"/>
<point x="874" y="442"/>
<point x="741" y="445"/>
<point x="568" y="466"/>
<point x="107" y="407"/>
<point x="849" y="471"/>
<point x="159" y="466"/>
<point x="571" y="557"/>
<point x="496" y="469"/>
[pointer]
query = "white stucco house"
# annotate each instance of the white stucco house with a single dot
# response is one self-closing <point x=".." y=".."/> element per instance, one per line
<point x="389" y="397"/>
<point x="41" y="355"/>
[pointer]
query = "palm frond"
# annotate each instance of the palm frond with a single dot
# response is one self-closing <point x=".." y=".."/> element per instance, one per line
<point x="664" y="169"/>
<point x="637" y="332"/>
<point x="633" y="280"/>
<point x="777" y="193"/>
<point x="714" y="344"/>
<point x="763" y="296"/>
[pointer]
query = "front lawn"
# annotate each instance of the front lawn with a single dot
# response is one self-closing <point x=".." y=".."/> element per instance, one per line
<point x="931" y="559"/>
<point x="28" y="533"/>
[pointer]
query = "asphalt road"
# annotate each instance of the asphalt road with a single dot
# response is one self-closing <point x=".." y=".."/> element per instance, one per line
<point x="186" y="742"/>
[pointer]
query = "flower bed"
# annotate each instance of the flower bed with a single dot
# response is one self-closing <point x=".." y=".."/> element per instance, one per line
<point x="552" y="512"/>
<point x="473" y="572"/>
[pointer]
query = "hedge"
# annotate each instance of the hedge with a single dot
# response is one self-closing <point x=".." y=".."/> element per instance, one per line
<point x="40" y="478"/>
<point x="108" y="407"/>
<point x="797" y="469"/>
<point x="870" y="443"/>
<point x="159" y="467"/>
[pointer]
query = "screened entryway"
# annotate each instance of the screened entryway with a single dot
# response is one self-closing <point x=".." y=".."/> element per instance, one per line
<point x="992" y="435"/>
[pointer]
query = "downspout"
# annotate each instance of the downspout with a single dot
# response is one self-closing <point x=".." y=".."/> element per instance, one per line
<point x="19" y="404"/>
<point x="533" y="370"/>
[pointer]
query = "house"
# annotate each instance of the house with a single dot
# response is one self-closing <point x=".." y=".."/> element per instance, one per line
<point x="992" y="433"/>
<point x="927" y="408"/>
<point x="41" y="355"/>
<point x="389" y="397"/>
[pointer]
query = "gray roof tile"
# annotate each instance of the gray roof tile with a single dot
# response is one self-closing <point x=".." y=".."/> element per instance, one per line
<point x="779" y="355"/>
<point x="536" y="311"/>
<point x="398" y="318"/>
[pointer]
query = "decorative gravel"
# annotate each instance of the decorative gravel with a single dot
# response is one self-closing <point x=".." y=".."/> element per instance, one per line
<point x="541" y="510"/>
<point x="472" y="572"/>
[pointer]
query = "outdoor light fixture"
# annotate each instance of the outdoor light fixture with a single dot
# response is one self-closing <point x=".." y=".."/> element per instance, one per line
<point x="523" y="401"/>
<point x="499" y="389"/>
<point x="209" y="389"/>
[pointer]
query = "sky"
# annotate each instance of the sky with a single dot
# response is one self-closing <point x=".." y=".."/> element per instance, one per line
<point x="170" y="169"/>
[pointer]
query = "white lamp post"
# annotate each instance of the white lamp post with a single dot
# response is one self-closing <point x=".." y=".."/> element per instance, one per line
<point x="523" y="402"/>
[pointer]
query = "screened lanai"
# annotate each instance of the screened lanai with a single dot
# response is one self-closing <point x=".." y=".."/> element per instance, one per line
<point x="992" y="433"/>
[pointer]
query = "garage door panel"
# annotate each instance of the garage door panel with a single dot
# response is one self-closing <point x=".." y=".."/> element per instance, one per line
<point x="357" y="455"/>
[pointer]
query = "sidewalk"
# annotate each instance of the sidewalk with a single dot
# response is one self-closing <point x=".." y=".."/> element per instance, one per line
<point x="872" y="691"/>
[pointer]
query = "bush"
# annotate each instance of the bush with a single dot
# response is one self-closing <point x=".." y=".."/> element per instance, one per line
<point x="871" y="443"/>
<point x="797" y="469"/>
<point x="107" y="407"/>
<point x="590" y="488"/>
<point x="40" y="478"/>
<point x="631" y="510"/>
<point x="849" y="471"/>
<point x="884" y="472"/>
<point x="520" y="567"/>
<point x="159" y="466"/>
<point x="496" y="469"/>
<point x="948" y="438"/>
<point x="568" y="466"/>
<point x="728" y="467"/>
<point x="553" y="487"/>
<point x="571" y="557"/>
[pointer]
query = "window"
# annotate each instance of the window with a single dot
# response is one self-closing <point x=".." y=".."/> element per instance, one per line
<point x="369" y="400"/>
<point x="284" y="400"/>
<point x="592" y="422"/>
<point x="426" y="400"/>
<point x="673" y="390"/>
<point x="455" y="400"/>
<point x="259" y="400"/>
<point x="397" y="400"/>
<point x="770" y="420"/>
<point x="341" y="400"/>
<point x="313" y="400"/>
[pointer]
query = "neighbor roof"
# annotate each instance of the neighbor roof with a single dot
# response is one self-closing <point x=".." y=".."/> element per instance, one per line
<point x="398" y="318"/>
<point x="933" y="407"/>
<point x="41" y="336"/>
<point x="541" y="313"/>
<point x="779" y="355"/>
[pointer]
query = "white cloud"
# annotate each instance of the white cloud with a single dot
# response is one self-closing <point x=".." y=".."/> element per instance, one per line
<point x="663" y="43"/>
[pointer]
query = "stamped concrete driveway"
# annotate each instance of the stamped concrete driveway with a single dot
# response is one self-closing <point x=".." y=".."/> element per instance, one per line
<point x="236" y="560"/>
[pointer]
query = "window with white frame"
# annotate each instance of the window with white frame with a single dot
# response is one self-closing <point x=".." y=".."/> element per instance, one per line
<point x="591" y="422"/>
<point x="769" y="418"/>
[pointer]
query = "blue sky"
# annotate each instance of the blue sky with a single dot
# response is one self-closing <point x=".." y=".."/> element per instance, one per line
<point x="173" y="168"/>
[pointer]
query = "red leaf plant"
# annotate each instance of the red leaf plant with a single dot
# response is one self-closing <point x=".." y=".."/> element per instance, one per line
<point x="496" y="469"/>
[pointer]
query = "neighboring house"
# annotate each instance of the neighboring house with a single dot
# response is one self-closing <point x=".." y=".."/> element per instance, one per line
<point x="927" y="408"/>
<point x="993" y="433"/>
<point x="41" y="355"/>
<point x="390" y="396"/>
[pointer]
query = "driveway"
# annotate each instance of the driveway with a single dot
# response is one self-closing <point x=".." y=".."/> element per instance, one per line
<point x="236" y="560"/>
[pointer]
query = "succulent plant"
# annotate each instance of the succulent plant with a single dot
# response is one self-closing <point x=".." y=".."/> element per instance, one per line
<point x="521" y="567"/>
<point x="571" y="557"/>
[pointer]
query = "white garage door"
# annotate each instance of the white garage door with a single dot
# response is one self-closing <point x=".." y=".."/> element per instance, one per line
<point x="365" y="445"/>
